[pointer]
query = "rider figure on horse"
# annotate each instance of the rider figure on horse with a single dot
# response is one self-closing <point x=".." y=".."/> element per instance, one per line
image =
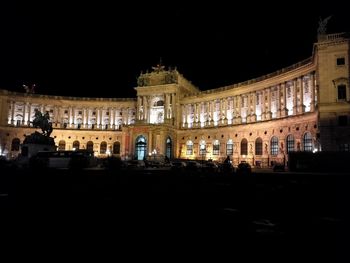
<point x="43" y="122"/>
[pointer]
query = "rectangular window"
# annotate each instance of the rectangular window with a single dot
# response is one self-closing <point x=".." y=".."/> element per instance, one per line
<point x="229" y="149"/>
<point x="189" y="149"/>
<point x="107" y="113"/>
<point x="343" y="120"/>
<point x="340" y="61"/>
<point x="94" y="113"/>
<point x="66" y="112"/>
<point x="341" y="92"/>
<point x="51" y="111"/>
<point x="80" y="112"/>
<point x="216" y="149"/>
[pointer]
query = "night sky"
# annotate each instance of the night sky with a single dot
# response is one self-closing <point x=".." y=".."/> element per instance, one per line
<point x="98" y="49"/>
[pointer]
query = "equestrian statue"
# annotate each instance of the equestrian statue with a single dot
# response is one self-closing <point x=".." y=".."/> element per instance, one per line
<point x="43" y="122"/>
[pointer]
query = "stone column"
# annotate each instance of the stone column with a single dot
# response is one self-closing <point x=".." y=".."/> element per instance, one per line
<point x="74" y="117"/>
<point x="29" y="113"/>
<point x="212" y="105"/>
<point x="24" y="113"/>
<point x="98" y="118"/>
<point x="87" y="120"/>
<point x="12" y="112"/>
<point x="225" y="111"/>
<point x="263" y="105"/>
<point x="126" y="116"/>
<point x="234" y="109"/>
<point x="249" y="105"/>
<point x="167" y="105"/>
<point x="268" y="113"/>
<point x="312" y="90"/>
<point x="253" y="116"/>
<point x="239" y="103"/>
<point x="184" y="116"/>
<point x="150" y="143"/>
<point x="145" y="108"/>
<point x="149" y="109"/>
<point x="278" y="101"/>
<point x="139" y="106"/>
<point x="112" y="116"/>
<point x="295" y="96"/>
<point x="195" y="116"/>
<point x="172" y="113"/>
<point x="284" y="110"/>
<point x="70" y="112"/>
<point x="301" y="107"/>
<point x="83" y="117"/>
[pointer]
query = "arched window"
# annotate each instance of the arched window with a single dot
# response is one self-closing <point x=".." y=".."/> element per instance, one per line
<point x="116" y="148"/>
<point x="90" y="146"/>
<point x="258" y="146"/>
<point x="15" y="144"/>
<point x="202" y="147"/>
<point x="103" y="147"/>
<point x="290" y="143"/>
<point x="307" y="142"/>
<point x="76" y="145"/>
<point x="61" y="145"/>
<point x="274" y="145"/>
<point x="189" y="148"/>
<point x="169" y="147"/>
<point x="141" y="147"/>
<point x="229" y="147"/>
<point x="216" y="147"/>
<point x="244" y="147"/>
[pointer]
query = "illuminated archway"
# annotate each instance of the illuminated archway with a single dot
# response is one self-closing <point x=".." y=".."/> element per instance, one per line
<point x="140" y="147"/>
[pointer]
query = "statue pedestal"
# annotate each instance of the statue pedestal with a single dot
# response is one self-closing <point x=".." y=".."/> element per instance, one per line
<point x="37" y="142"/>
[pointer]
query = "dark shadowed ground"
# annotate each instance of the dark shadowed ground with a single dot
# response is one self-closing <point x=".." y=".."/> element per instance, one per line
<point x="284" y="217"/>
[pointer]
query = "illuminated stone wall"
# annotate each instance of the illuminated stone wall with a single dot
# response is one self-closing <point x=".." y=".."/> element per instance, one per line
<point x="304" y="107"/>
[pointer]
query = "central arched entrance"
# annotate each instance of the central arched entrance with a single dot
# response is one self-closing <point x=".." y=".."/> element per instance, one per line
<point x="140" y="147"/>
<point x="169" y="146"/>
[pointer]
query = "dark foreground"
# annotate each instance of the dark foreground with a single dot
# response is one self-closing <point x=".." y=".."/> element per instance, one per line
<point x="177" y="216"/>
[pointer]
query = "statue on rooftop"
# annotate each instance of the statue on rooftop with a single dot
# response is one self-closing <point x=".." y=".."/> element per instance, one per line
<point x="160" y="67"/>
<point x="322" y="25"/>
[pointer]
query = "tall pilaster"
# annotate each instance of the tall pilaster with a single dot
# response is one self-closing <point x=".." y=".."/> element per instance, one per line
<point x="13" y="105"/>
<point x="295" y="96"/>
<point x="301" y="106"/>
<point x="70" y="116"/>
<point x="284" y="110"/>
<point x="278" y="101"/>
<point x="312" y="90"/>
<point x="239" y="103"/>
<point x="253" y="107"/>
<point x="29" y="113"/>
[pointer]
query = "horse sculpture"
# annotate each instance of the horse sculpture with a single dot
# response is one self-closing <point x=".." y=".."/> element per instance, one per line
<point x="43" y="122"/>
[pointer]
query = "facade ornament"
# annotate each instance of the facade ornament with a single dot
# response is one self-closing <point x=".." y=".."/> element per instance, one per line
<point x="29" y="90"/>
<point x="322" y="25"/>
<point x="160" y="67"/>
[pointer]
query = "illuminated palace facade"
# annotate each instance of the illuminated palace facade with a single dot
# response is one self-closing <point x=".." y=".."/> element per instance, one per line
<point x="304" y="107"/>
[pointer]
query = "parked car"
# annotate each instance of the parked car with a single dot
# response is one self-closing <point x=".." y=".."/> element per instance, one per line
<point x="244" y="168"/>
